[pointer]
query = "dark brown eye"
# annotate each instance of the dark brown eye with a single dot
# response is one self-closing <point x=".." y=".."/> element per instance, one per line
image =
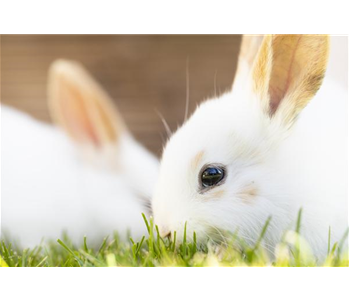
<point x="211" y="176"/>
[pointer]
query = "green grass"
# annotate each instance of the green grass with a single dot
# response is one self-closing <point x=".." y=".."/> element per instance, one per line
<point x="152" y="251"/>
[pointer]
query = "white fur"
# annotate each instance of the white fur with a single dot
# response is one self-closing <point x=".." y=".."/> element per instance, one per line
<point x="302" y="168"/>
<point x="47" y="187"/>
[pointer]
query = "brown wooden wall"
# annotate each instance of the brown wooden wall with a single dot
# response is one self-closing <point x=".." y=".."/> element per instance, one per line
<point x="141" y="73"/>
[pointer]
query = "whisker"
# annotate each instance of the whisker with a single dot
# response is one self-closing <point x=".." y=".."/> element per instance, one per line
<point x="167" y="127"/>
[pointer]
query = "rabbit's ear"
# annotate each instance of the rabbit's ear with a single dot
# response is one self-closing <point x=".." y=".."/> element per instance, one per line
<point x="287" y="73"/>
<point x="250" y="45"/>
<point x="81" y="107"/>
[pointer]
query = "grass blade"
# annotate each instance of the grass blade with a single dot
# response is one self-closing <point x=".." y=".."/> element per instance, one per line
<point x="79" y="261"/>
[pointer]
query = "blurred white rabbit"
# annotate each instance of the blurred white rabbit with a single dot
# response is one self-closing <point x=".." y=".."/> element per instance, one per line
<point x="100" y="182"/>
<point x="250" y="154"/>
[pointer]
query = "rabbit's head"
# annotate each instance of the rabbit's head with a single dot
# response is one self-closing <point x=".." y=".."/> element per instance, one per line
<point x="214" y="173"/>
<point x="88" y="116"/>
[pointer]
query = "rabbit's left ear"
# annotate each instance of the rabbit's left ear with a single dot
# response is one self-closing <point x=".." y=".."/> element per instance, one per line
<point x="287" y="72"/>
<point x="81" y="107"/>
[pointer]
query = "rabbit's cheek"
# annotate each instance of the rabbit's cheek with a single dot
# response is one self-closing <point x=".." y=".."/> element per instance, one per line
<point x="214" y="195"/>
<point x="218" y="194"/>
<point x="248" y="194"/>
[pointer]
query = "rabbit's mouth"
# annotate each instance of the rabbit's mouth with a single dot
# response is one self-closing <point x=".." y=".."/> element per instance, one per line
<point x="203" y="234"/>
<point x="217" y="235"/>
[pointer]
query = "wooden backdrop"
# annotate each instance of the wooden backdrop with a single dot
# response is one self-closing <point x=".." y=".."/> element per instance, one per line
<point x="141" y="73"/>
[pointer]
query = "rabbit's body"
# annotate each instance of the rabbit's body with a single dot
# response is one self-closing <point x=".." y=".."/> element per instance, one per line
<point x="97" y="181"/>
<point x="48" y="188"/>
<point x="272" y="165"/>
<point x="314" y="159"/>
<point x="307" y="169"/>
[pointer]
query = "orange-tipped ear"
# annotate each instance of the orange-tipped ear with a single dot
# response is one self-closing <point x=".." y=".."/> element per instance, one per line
<point x="81" y="107"/>
<point x="288" y="71"/>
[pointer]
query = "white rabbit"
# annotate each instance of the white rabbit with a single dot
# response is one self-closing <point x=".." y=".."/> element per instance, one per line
<point x="260" y="150"/>
<point x="47" y="186"/>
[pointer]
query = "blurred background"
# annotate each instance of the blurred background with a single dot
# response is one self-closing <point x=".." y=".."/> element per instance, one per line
<point x="142" y="74"/>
